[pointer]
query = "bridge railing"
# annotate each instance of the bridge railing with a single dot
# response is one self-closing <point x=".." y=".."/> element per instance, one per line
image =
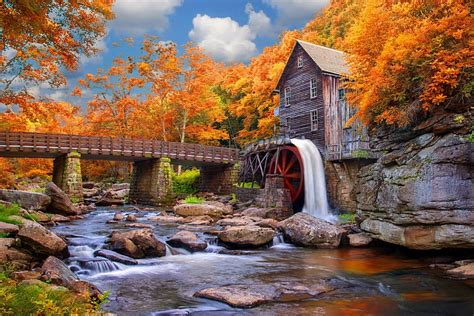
<point x="114" y="146"/>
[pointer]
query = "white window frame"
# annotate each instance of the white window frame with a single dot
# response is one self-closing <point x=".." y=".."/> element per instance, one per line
<point x="314" y="119"/>
<point x="287" y="96"/>
<point x="300" y="61"/>
<point x="313" y="88"/>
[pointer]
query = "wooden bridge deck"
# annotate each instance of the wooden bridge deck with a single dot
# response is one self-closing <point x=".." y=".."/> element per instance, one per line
<point x="37" y="145"/>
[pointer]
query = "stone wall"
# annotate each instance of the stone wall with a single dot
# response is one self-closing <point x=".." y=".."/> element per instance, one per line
<point x="218" y="179"/>
<point x="67" y="175"/>
<point x="341" y="178"/>
<point x="420" y="193"/>
<point x="247" y="194"/>
<point x="152" y="182"/>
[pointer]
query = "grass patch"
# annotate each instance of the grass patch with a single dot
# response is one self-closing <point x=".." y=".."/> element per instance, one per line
<point x="248" y="185"/>
<point x="191" y="199"/>
<point x="348" y="218"/>
<point x="4" y="235"/>
<point x="7" y="211"/>
<point x="41" y="299"/>
<point x="186" y="182"/>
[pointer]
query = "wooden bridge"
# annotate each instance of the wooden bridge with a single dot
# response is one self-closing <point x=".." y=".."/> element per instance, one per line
<point x="39" y="145"/>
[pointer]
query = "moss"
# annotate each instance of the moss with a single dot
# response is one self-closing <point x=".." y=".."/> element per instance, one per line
<point x="7" y="211"/>
<point x="248" y="185"/>
<point x="360" y="153"/>
<point x="348" y="218"/>
<point x="191" y="199"/>
<point x="42" y="299"/>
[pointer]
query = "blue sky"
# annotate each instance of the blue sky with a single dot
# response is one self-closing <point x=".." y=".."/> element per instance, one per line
<point x="228" y="30"/>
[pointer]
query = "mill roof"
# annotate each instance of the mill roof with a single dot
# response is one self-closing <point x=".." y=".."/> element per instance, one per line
<point x="328" y="59"/>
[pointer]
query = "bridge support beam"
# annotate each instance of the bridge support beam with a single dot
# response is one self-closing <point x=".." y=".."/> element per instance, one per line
<point x="67" y="175"/>
<point x="151" y="182"/>
<point x="218" y="179"/>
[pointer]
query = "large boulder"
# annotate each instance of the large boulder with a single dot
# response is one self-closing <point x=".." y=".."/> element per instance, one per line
<point x="213" y="209"/>
<point x="306" y="230"/>
<point x="60" y="201"/>
<point x="26" y="200"/>
<point x="419" y="194"/>
<point x="250" y="295"/>
<point x="139" y="243"/>
<point x="15" y="258"/>
<point x="188" y="240"/>
<point x="40" y="240"/>
<point x="246" y="236"/>
<point x="56" y="272"/>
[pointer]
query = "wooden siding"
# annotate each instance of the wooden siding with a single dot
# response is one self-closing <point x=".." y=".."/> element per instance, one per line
<point x="298" y="113"/>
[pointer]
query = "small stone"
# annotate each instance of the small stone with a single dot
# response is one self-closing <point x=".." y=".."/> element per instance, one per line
<point x="246" y="236"/>
<point x="131" y="218"/>
<point x="6" y="228"/>
<point x="25" y="275"/>
<point x="359" y="240"/>
<point x="464" y="271"/>
<point x="187" y="240"/>
<point x="118" y="217"/>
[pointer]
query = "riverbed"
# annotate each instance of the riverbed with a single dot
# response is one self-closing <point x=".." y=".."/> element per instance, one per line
<point x="375" y="281"/>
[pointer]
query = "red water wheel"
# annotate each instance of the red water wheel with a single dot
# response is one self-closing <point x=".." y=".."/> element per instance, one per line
<point x="290" y="166"/>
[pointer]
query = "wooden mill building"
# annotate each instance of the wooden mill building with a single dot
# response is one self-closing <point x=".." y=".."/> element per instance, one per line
<point x="313" y="102"/>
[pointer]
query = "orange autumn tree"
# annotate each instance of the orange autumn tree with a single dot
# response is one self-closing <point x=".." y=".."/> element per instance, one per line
<point x="41" y="38"/>
<point x="251" y="89"/>
<point x="195" y="105"/>
<point x="409" y="58"/>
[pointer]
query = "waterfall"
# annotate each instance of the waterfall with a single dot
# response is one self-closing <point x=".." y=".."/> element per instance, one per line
<point x="315" y="196"/>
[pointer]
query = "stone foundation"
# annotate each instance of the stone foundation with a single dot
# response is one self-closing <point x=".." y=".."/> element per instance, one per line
<point x="274" y="195"/>
<point x="341" y="178"/>
<point x="67" y="175"/>
<point x="152" y="182"/>
<point x="218" y="179"/>
<point x="247" y="194"/>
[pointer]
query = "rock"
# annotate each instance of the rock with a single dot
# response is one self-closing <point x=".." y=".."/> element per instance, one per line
<point x="115" y="256"/>
<point x="464" y="271"/>
<point x="359" y="240"/>
<point x="236" y="221"/>
<point x="88" y="185"/>
<point x="268" y="222"/>
<point x="246" y="236"/>
<point x="42" y="241"/>
<point x="198" y="220"/>
<point x="419" y="193"/>
<point x="464" y="262"/>
<point x="250" y="295"/>
<point x="58" y="273"/>
<point x="59" y="218"/>
<point x="108" y="200"/>
<point x="139" y="243"/>
<point x="421" y="237"/>
<point x="118" y="217"/>
<point x="187" y="240"/>
<point x="138" y="225"/>
<point x="168" y="219"/>
<point x="120" y="186"/>
<point x="278" y="214"/>
<point x="26" y="200"/>
<point x="25" y="275"/>
<point x="306" y="230"/>
<point x="15" y="258"/>
<point x="90" y="193"/>
<point x="37" y="215"/>
<point x="60" y="201"/>
<point x="121" y="194"/>
<point x="131" y="218"/>
<point x="210" y="208"/>
<point x="198" y="228"/>
<point x="6" y="228"/>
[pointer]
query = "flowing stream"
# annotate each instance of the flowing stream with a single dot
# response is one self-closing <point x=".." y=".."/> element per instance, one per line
<point x="315" y="195"/>
<point x="378" y="281"/>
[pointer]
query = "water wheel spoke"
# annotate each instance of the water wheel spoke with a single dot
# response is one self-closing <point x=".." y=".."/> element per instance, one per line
<point x="284" y="155"/>
<point x="294" y="175"/>
<point x="290" y="163"/>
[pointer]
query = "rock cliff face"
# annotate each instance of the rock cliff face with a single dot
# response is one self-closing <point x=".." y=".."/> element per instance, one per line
<point x="420" y="193"/>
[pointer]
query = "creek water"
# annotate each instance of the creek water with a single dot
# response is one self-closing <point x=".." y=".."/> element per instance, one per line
<point x="377" y="281"/>
<point x="315" y="195"/>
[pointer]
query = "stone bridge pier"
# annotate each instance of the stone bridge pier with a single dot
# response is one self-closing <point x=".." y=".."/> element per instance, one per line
<point x="219" y="179"/>
<point x="67" y="175"/>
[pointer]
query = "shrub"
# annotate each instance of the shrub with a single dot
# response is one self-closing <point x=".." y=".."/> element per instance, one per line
<point x="186" y="182"/>
<point x="191" y="199"/>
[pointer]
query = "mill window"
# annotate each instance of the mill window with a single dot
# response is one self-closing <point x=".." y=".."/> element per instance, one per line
<point x="341" y="94"/>
<point x="314" y="120"/>
<point x="300" y="62"/>
<point x="313" y="88"/>
<point x="287" y="96"/>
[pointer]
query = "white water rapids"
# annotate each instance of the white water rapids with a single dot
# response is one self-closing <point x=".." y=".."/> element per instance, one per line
<point x="315" y="196"/>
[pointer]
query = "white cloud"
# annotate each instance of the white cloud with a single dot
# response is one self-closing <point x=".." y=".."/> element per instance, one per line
<point x="139" y="17"/>
<point x="223" y="38"/>
<point x="259" y="23"/>
<point x="292" y="10"/>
